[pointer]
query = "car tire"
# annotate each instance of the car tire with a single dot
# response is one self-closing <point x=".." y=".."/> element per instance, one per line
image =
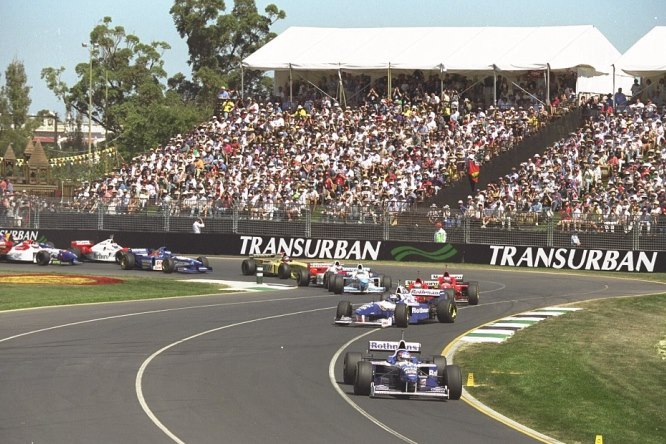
<point x="440" y="362"/>
<point x="363" y="379"/>
<point x="76" y="252"/>
<point x="450" y="293"/>
<point x="453" y="380"/>
<point x="447" y="311"/>
<point x="473" y="293"/>
<point x="349" y="368"/>
<point x="249" y="267"/>
<point x="401" y="316"/>
<point x="168" y="265"/>
<point x="204" y="261"/>
<point x="331" y="282"/>
<point x="303" y="277"/>
<point x="43" y="257"/>
<point x="327" y="279"/>
<point x="127" y="261"/>
<point x="119" y="255"/>
<point x="344" y="309"/>
<point x="338" y="284"/>
<point x="284" y="271"/>
<point x="386" y="283"/>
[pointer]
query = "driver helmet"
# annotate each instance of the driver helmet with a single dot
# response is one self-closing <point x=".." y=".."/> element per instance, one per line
<point x="403" y="356"/>
<point x="446" y="274"/>
<point x="337" y="263"/>
<point x="359" y="267"/>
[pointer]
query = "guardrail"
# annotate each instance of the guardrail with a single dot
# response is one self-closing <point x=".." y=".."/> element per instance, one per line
<point x="397" y="221"/>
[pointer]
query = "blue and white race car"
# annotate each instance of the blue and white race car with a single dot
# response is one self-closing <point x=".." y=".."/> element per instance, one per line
<point x="161" y="259"/>
<point x="362" y="280"/>
<point x="40" y="254"/>
<point x="401" y="373"/>
<point x="400" y="309"/>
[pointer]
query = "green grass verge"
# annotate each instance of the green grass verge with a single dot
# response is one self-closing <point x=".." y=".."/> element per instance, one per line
<point x="599" y="371"/>
<point x="15" y="296"/>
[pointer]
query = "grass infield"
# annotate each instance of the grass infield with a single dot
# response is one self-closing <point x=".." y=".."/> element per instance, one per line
<point x="23" y="295"/>
<point x="598" y="371"/>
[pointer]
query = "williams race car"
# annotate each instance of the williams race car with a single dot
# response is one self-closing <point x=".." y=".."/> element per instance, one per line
<point x="161" y="259"/>
<point x="278" y="265"/>
<point x="106" y="251"/>
<point x="361" y="280"/>
<point x="465" y="292"/>
<point x="401" y="373"/>
<point x="400" y="309"/>
<point x="40" y="254"/>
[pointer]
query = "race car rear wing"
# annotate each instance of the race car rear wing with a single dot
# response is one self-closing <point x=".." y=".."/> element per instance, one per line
<point x="265" y="255"/>
<point x="458" y="277"/>
<point x="426" y="292"/>
<point x="319" y="264"/>
<point x="414" y="347"/>
<point x="428" y="283"/>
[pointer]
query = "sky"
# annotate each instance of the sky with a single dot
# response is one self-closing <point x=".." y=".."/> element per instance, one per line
<point x="49" y="33"/>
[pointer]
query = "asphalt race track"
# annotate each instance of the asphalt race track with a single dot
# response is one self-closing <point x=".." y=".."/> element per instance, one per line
<point x="240" y="368"/>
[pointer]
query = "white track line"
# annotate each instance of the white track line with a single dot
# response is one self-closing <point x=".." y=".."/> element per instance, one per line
<point x="343" y="395"/>
<point x="142" y="369"/>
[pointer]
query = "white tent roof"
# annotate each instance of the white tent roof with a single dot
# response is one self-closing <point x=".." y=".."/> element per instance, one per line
<point x="647" y="57"/>
<point x="451" y="49"/>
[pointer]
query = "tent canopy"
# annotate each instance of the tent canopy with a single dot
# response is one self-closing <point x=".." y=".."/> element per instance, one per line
<point x="460" y="49"/>
<point x="647" y="57"/>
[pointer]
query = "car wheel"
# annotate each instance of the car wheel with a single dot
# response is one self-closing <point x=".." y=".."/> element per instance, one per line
<point x="168" y="265"/>
<point x="473" y="293"/>
<point x="453" y="380"/>
<point x="440" y="362"/>
<point x="76" y="252"/>
<point x="338" y="284"/>
<point x="249" y="267"/>
<point x="303" y="277"/>
<point x="331" y="282"/>
<point x="119" y="255"/>
<point x="344" y="309"/>
<point x="450" y="294"/>
<point x="43" y="257"/>
<point x="386" y="283"/>
<point x="349" y="369"/>
<point x="401" y="316"/>
<point x="327" y="279"/>
<point x="284" y="271"/>
<point x="204" y="261"/>
<point x="363" y="379"/>
<point x="447" y="311"/>
<point x="127" y="261"/>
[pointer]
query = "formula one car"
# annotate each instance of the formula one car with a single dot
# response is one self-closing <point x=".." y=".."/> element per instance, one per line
<point x="106" y="251"/>
<point x="40" y="254"/>
<point x="401" y="374"/>
<point x="401" y="308"/>
<point x="465" y="292"/>
<point x="362" y="280"/>
<point x="161" y="259"/>
<point x="277" y="265"/>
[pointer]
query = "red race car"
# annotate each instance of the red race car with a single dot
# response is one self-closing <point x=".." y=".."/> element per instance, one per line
<point x="465" y="292"/>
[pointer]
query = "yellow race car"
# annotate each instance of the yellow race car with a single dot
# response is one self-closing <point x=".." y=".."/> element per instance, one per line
<point x="277" y="265"/>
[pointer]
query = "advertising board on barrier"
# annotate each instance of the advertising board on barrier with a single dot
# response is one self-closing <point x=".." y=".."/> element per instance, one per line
<point x="19" y="234"/>
<point x="310" y="248"/>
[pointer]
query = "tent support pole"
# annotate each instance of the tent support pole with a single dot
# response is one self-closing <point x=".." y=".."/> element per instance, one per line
<point x="341" y="87"/>
<point x="613" y="65"/>
<point x="494" y="85"/>
<point x="242" y="82"/>
<point x="548" y="85"/>
<point x="291" y="87"/>
<point x="441" y="81"/>
<point x="389" y="91"/>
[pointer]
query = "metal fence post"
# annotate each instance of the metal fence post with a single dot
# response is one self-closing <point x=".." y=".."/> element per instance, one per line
<point x="550" y="231"/>
<point x="466" y="228"/>
<point x="260" y="274"/>
<point x="308" y="221"/>
<point x="235" y="216"/>
<point x="101" y="209"/>
<point x="167" y="216"/>
<point x="387" y="224"/>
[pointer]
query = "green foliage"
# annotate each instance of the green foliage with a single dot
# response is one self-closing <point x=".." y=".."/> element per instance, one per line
<point x="16" y="127"/>
<point x="218" y="42"/>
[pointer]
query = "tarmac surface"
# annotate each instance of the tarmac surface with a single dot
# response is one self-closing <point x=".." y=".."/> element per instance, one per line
<point x="251" y="367"/>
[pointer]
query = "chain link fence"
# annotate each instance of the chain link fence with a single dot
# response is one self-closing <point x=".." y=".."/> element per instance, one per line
<point x="396" y="221"/>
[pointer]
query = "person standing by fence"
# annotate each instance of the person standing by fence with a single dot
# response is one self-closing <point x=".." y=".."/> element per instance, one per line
<point x="473" y="172"/>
